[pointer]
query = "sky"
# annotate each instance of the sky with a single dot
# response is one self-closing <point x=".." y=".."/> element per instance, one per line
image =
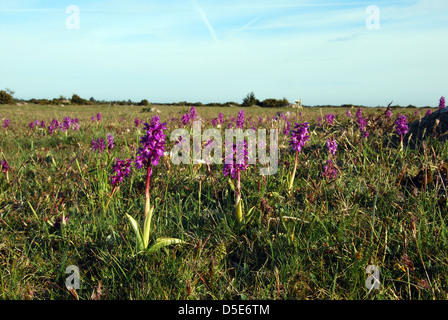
<point x="323" y="52"/>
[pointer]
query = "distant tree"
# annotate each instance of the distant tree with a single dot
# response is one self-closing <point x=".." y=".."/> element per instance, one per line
<point x="144" y="103"/>
<point x="249" y="100"/>
<point x="5" y="97"/>
<point x="78" y="100"/>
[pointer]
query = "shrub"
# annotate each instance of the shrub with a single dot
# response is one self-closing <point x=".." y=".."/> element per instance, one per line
<point x="6" y="98"/>
<point x="274" y="103"/>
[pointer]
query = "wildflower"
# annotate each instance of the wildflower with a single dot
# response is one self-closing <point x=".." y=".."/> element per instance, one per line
<point x="6" y="123"/>
<point x="388" y="114"/>
<point x="401" y="125"/>
<point x="193" y="113"/>
<point x="152" y="144"/>
<point x="286" y="128"/>
<point x="240" y="120"/>
<point x="232" y="166"/>
<point x="234" y="170"/>
<point x="319" y="122"/>
<point x="299" y="136"/>
<point x="428" y="112"/>
<point x="185" y="119"/>
<point x="98" y="145"/>
<point x="221" y="118"/>
<point x="332" y="146"/>
<point x="121" y="169"/>
<point x="5" y="166"/>
<point x="110" y="141"/>
<point x="98" y="116"/>
<point x="75" y="126"/>
<point x="365" y="134"/>
<point x="214" y="122"/>
<point x="137" y="121"/>
<point x="362" y="122"/>
<point x="42" y="124"/>
<point x="330" y="118"/>
<point x="348" y="113"/>
<point x="359" y="113"/>
<point x="31" y="125"/>
<point x="442" y="102"/>
<point x="330" y="171"/>
<point x="92" y="119"/>
<point x="66" y="122"/>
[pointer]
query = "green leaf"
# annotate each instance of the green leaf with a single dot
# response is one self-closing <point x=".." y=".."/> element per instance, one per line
<point x="138" y="234"/>
<point x="147" y="227"/>
<point x="163" y="242"/>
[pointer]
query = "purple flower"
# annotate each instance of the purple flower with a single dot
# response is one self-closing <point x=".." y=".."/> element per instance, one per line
<point x="121" y="169"/>
<point x="98" y="145"/>
<point x="75" y="126"/>
<point x="332" y="146"/>
<point x="214" y="122"/>
<point x="98" y="116"/>
<point x="442" y="102"/>
<point x="6" y="123"/>
<point x="319" y="122"/>
<point x="330" y="171"/>
<point x="221" y="118"/>
<point x="186" y="119"/>
<point x="359" y="113"/>
<point x="240" y="119"/>
<point x="299" y="136"/>
<point x="152" y="144"/>
<point x="31" y="125"/>
<point x="66" y="122"/>
<point x="330" y="118"/>
<point x="5" y="166"/>
<point x="286" y="128"/>
<point x="428" y="112"/>
<point x="388" y="114"/>
<point x="137" y="122"/>
<point x="365" y="134"/>
<point x="110" y="141"/>
<point x="236" y="161"/>
<point x="348" y="113"/>
<point x="362" y="122"/>
<point x="92" y="119"/>
<point x="401" y="125"/>
<point x="193" y="113"/>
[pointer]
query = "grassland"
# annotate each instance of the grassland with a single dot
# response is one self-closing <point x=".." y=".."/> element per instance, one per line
<point x="387" y="207"/>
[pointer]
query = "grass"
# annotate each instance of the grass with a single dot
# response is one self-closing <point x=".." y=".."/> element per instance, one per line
<point x="312" y="244"/>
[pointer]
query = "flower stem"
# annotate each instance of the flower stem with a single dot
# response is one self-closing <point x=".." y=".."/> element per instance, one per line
<point x="147" y="202"/>
<point x="291" y="182"/>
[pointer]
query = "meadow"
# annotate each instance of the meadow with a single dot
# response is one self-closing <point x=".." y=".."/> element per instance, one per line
<point x="309" y="235"/>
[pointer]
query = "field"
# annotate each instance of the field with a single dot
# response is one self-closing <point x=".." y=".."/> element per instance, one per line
<point x="383" y="205"/>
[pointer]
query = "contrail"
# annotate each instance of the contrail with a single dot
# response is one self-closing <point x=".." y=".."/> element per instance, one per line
<point x="247" y="25"/>
<point x="207" y="23"/>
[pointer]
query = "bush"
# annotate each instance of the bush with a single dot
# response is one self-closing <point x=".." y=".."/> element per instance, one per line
<point x="274" y="103"/>
<point x="144" y="103"/>
<point x="6" y="98"/>
<point x="78" y="100"/>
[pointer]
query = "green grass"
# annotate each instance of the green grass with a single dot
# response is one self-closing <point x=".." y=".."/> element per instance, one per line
<point x="312" y="244"/>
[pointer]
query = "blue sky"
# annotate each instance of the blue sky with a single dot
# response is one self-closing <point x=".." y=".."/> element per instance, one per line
<point x="198" y="50"/>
